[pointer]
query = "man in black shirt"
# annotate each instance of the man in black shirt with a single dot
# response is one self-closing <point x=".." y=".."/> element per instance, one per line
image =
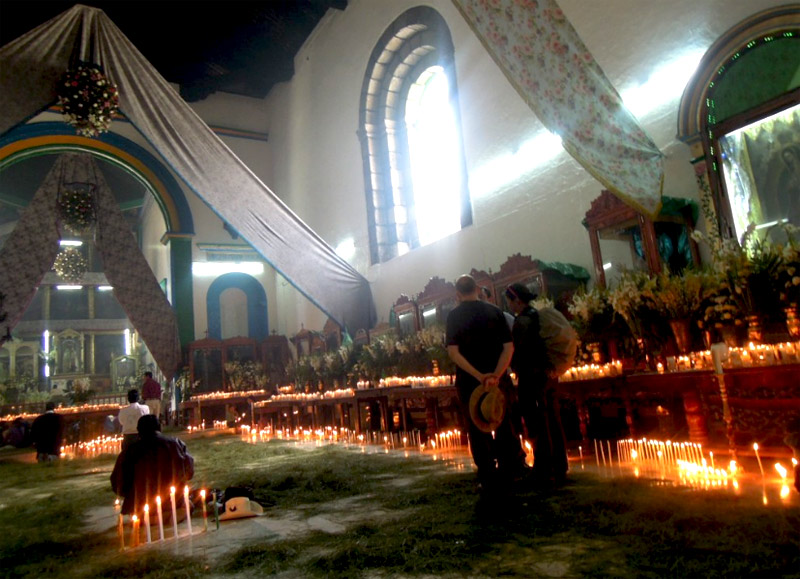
<point x="479" y="342"/>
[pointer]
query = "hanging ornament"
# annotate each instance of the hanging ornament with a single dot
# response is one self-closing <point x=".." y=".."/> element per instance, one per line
<point x="76" y="207"/>
<point x="88" y="99"/>
<point x="70" y="265"/>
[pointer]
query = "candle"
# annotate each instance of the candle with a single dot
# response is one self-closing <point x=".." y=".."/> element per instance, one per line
<point x="147" y="523"/>
<point x="188" y="508"/>
<point x="205" y="513"/>
<point x="160" y="519"/>
<point x="135" y="531"/>
<point x="174" y="512"/>
<point x="120" y="526"/>
<point x="755" y="448"/>
<point x="216" y="508"/>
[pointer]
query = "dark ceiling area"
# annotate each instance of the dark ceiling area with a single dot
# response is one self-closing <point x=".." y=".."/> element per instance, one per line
<point x="238" y="47"/>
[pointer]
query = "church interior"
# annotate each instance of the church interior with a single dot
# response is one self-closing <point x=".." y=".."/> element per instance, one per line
<point x="302" y="178"/>
<point x="265" y="206"/>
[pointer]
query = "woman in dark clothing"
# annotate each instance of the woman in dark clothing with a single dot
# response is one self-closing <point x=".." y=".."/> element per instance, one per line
<point x="536" y="389"/>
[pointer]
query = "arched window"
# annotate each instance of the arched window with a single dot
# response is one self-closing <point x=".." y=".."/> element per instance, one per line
<point x="740" y="114"/>
<point x="410" y="135"/>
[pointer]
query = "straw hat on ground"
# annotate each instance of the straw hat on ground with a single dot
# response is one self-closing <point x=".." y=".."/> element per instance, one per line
<point x="239" y="508"/>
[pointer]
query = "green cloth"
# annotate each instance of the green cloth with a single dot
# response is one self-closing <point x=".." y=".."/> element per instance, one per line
<point x="568" y="269"/>
<point x="675" y="206"/>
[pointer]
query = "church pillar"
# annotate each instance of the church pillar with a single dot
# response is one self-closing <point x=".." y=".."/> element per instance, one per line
<point x="182" y="297"/>
<point x="92" y="291"/>
<point x="12" y="359"/>
<point x="91" y="354"/>
<point x="46" y="301"/>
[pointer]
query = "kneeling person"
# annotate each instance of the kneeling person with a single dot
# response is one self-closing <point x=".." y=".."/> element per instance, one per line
<point x="149" y="467"/>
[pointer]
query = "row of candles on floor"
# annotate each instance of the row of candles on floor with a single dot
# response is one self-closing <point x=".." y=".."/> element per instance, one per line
<point x="446" y="440"/>
<point x="687" y="459"/>
<point x="136" y="521"/>
<point x="215" y="425"/>
<point x="92" y="448"/>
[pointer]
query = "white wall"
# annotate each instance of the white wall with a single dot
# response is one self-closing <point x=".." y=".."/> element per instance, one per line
<point x="155" y="252"/>
<point x="317" y="157"/>
<point x="312" y="159"/>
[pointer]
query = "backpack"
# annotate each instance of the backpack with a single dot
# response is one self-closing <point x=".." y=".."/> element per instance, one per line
<point x="560" y="338"/>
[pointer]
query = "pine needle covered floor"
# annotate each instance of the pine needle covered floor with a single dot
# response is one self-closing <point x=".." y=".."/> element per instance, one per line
<point x="334" y="511"/>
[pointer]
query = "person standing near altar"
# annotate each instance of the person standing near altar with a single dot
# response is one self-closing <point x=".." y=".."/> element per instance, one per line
<point x="129" y="416"/>
<point x="151" y="393"/>
<point x="479" y="343"/>
<point x="537" y="382"/>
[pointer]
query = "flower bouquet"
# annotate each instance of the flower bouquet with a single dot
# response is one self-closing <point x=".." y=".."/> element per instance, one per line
<point x="88" y="99"/>
<point x="591" y="313"/>
<point x="632" y="300"/>
<point x="789" y="268"/>
<point x="679" y="299"/>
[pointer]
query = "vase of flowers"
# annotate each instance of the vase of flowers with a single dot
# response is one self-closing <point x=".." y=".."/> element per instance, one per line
<point x="596" y="323"/>
<point x="632" y="300"/>
<point x="678" y="298"/>
<point x="749" y="271"/>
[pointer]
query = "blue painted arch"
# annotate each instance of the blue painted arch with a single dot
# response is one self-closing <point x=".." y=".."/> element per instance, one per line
<point x="257" y="316"/>
<point x="55" y="137"/>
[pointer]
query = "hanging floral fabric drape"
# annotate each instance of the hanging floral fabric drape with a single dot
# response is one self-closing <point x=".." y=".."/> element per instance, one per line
<point x="29" y="253"/>
<point x="30" y="67"/>
<point x="546" y="61"/>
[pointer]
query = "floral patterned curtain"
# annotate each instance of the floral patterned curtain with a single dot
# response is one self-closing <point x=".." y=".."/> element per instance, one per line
<point x="545" y="60"/>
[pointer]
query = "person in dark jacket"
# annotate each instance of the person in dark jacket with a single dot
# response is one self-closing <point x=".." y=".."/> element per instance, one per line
<point x="536" y="389"/>
<point x="47" y="433"/>
<point x="149" y="467"/>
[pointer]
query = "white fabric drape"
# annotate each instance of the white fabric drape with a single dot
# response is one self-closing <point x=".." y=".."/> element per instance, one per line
<point x="548" y="64"/>
<point x="30" y="67"/>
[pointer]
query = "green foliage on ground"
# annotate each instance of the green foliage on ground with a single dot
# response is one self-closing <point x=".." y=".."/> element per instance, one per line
<point x="401" y="516"/>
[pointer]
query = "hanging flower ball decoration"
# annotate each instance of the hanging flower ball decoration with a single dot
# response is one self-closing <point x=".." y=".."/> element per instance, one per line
<point x="70" y="265"/>
<point x="76" y="207"/>
<point x="88" y="99"/>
